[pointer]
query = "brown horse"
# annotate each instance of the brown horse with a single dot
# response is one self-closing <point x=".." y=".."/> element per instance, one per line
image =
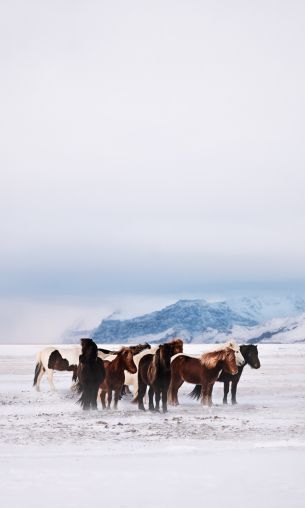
<point x="154" y="370"/>
<point x="202" y="371"/>
<point x="114" y="379"/>
<point x="250" y="355"/>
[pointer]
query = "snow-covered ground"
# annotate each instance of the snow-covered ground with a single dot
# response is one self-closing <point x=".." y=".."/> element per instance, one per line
<point x="249" y="455"/>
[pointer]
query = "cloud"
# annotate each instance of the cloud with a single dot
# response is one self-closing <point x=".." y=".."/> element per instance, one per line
<point x="151" y="148"/>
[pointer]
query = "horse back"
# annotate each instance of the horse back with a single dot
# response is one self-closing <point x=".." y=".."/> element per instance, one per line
<point x="188" y="368"/>
<point x="144" y="367"/>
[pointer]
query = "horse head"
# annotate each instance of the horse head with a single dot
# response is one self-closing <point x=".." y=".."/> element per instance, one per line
<point x="240" y="361"/>
<point x="89" y="350"/>
<point x="230" y="364"/>
<point x="250" y="354"/>
<point x="126" y="355"/>
<point x="140" y="347"/>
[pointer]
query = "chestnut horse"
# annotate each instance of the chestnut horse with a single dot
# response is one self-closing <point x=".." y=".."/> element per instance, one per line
<point x="202" y="371"/>
<point x="114" y="379"/>
<point x="90" y="373"/>
<point x="154" y="370"/>
<point x="250" y="355"/>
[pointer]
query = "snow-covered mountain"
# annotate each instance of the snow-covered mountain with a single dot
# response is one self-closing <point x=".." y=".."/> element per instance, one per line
<point x="278" y="330"/>
<point x="264" y="308"/>
<point x="245" y="319"/>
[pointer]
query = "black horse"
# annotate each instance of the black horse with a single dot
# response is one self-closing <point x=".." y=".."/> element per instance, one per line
<point x="154" y="370"/>
<point x="90" y="373"/>
<point x="250" y="355"/>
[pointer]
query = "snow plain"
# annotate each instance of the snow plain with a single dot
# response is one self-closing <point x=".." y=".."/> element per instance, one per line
<point x="249" y="455"/>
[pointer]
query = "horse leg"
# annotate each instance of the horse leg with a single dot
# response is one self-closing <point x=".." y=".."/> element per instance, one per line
<point x="151" y="398"/>
<point x="109" y="397"/>
<point x="164" y="399"/>
<point x="50" y="373"/>
<point x="226" y="387"/>
<point x="127" y="390"/>
<point x="135" y="388"/>
<point x="141" y="393"/>
<point x="74" y="379"/>
<point x="210" y="390"/>
<point x="39" y="378"/>
<point x="117" y="393"/>
<point x="204" y="395"/>
<point x="157" y="396"/>
<point x="103" y="398"/>
<point x="174" y="386"/>
<point x="233" y="392"/>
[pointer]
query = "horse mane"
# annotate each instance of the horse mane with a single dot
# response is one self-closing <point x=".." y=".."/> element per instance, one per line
<point x="123" y="349"/>
<point x="154" y="364"/>
<point x="231" y="344"/>
<point x="176" y="342"/>
<point x="211" y="359"/>
<point x="89" y="350"/>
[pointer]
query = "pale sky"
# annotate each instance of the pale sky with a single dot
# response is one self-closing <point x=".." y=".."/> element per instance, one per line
<point x="149" y="149"/>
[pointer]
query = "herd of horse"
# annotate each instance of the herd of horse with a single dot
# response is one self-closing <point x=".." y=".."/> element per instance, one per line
<point x="162" y="369"/>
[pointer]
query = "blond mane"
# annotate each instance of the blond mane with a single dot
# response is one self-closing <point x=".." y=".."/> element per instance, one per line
<point x="211" y="359"/>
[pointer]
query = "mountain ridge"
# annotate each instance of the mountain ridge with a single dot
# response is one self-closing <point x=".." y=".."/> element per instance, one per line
<point x="251" y="319"/>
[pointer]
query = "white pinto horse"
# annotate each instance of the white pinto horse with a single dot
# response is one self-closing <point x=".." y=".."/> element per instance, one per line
<point x="54" y="358"/>
<point x="48" y="360"/>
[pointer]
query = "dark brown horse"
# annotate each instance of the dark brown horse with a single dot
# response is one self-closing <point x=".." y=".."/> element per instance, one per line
<point x="203" y="371"/>
<point x="114" y="379"/>
<point x="250" y="355"/>
<point x="154" y="370"/>
<point x="91" y="374"/>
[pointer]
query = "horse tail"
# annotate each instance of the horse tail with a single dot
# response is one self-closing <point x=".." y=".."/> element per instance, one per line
<point x="195" y="394"/>
<point x="38" y="370"/>
<point x="84" y="400"/>
<point x="77" y="387"/>
<point x="91" y="376"/>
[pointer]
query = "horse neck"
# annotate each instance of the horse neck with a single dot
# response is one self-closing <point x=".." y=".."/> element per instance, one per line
<point x="244" y="351"/>
<point x="214" y="372"/>
<point x="117" y="363"/>
<point x="138" y="349"/>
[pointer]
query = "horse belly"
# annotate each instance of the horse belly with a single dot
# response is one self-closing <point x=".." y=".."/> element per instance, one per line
<point x="192" y="374"/>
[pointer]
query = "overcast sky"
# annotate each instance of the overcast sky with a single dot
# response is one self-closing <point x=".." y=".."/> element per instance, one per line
<point x="149" y="149"/>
